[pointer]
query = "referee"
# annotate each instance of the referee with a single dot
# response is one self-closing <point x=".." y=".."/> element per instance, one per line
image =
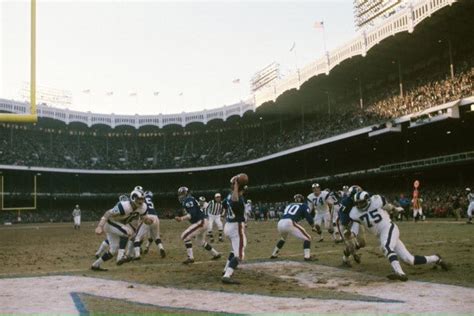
<point x="214" y="211"/>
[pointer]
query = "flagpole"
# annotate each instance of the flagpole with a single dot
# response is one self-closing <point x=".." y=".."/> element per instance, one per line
<point x="296" y="64"/>
<point x="324" y="39"/>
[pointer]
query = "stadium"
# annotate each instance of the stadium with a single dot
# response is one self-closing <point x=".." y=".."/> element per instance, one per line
<point x="394" y="105"/>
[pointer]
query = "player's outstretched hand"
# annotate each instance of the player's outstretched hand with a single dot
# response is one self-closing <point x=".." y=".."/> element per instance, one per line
<point x="178" y="219"/>
<point x="99" y="230"/>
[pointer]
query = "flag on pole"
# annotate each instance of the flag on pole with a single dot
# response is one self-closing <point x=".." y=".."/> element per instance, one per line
<point x="319" y="25"/>
<point x="109" y="93"/>
<point x="156" y="93"/>
<point x="86" y="91"/>
<point x="293" y="46"/>
<point x="236" y="81"/>
<point x="133" y="94"/>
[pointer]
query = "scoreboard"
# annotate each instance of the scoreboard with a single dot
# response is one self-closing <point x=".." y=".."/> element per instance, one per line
<point x="366" y="12"/>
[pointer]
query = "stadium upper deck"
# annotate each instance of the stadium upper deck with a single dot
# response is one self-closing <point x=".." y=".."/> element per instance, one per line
<point x="362" y="59"/>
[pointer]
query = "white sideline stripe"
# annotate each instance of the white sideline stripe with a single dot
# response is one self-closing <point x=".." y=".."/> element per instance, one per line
<point x="51" y="295"/>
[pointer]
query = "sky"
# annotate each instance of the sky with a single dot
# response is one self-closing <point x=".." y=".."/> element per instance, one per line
<point x="163" y="57"/>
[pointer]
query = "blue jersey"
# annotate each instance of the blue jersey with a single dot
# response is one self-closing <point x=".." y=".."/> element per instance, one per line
<point x="298" y="211"/>
<point x="150" y="206"/>
<point x="347" y="203"/>
<point x="235" y="210"/>
<point x="192" y="208"/>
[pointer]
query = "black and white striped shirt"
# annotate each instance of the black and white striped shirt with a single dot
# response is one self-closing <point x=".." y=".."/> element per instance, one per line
<point x="214" y="208"/>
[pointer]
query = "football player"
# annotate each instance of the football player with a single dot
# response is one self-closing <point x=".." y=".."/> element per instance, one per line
<point x="470" y="208"/>
<point x="234" y="229"/>
<point x="321" y="203"/>
<point x="198" y="225"/>
<point x="115" y="223"/>
<point x="150" y="227"/>
<point x="352" y="244"/>
<point x="293" y="213"/>
<point x="368" y="212"/>
<point x="76" y="214"/>
<point x="336" y="229"/>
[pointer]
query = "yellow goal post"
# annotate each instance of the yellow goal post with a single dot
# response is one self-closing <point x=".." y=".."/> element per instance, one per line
<point x="33" y="116"/>
<point x="21" y="208"/>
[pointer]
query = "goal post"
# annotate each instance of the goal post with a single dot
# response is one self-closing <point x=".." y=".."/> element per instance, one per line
<point x="33" y="116"/>
<point x="12" y="208"/>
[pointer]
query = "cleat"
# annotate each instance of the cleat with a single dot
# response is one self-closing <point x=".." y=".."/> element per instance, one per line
<point x="123" y="260"/>
<point x="216" y="257"/>
<point x="442" y="264"/>
<point x="188" y="261"/>
<point x="162" y="253"/>
<point x="356" y="257"/>
<point x="400" y="277"/>
<point x="146" y="250"/>
<point x="321" y="239"/>
<point x="346" y="263"/>
<point x="273" y="257"/>
<point x="136" y="258"/>
<point x="310" y="259"/>
<point x="228" y="280"/>
<point x="99" y="268"/>
<point x="97" y="256"/>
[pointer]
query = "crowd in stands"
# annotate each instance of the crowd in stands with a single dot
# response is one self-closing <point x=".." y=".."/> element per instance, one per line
<point x="92" y="149"/>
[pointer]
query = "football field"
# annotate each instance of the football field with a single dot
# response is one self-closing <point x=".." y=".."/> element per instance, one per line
<point x="50" y="264"/>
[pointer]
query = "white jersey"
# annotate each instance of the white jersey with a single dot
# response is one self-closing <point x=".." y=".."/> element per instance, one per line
<point x="373" y="217"/>
<point x="321" y="202"/>
<point x="76" y="212"/>
<point x="124" y="213"/>
<point x="470" y="197"/>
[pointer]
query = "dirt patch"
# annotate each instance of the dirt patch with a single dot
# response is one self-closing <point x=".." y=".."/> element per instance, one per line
<point x="317" y="276"/>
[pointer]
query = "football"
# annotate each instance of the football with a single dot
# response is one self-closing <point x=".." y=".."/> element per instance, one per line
<point x="242" y="179"/>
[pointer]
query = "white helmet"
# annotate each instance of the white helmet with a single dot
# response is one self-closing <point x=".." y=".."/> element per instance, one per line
<point x="299" y="198"/>
<point x="362" y="200"/>
<point x="315" y="185"/>
<point x="202" y="199"/>
<point x="138" y="187"/>
<point x="353" y="190"/>
<point x="148" y="194"/>
<point x="182" y="192"/>
<point x="468" y="189"/>
<point x="137" y="195"/>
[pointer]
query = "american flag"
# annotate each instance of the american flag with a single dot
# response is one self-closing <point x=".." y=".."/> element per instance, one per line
<point x="319" y="25"/>
<point x="236" y="81"/>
